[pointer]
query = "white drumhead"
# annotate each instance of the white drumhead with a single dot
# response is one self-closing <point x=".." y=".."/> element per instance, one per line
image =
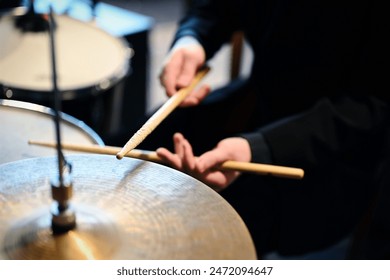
<point x="23" y="121"/>
<point x="86" y="56"/>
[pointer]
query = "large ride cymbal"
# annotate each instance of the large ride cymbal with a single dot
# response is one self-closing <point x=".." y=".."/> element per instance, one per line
<point x="129" y="209"/>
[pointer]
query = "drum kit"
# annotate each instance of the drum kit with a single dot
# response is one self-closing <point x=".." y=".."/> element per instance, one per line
<point x="92" y="66"/>
<point x="83" y="206"/>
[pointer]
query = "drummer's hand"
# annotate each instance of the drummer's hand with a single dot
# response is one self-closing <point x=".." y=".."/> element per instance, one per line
<point x="186" y="57"/>
<point x="204" y="167"/>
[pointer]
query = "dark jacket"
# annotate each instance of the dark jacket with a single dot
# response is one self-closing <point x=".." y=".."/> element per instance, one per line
<point x="322" y="99"/>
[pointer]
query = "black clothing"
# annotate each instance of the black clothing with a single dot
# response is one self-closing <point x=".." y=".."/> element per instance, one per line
<point x="318" y="62"/>
<point x="317" y="96"/>
<point x="9" y="4"/>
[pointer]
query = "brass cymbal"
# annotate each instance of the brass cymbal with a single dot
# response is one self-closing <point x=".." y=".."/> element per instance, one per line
<point x="128" y="209"/>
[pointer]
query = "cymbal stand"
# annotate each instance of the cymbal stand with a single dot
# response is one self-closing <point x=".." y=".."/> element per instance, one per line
<point x="63" y="215"/>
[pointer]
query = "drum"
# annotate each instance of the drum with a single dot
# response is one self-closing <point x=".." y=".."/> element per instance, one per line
<point x="127" y="209"/>
<point x="22" y="121"/>
<point x="90" y="62"/>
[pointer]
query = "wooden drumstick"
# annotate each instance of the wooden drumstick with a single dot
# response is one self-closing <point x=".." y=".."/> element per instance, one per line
<point x="161" y="114"/>
<point x="256" y="168"/>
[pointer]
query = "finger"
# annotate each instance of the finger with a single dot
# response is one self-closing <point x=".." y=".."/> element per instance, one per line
<point x="210" y="160"/>
<point x="177" y="140"/>
<point x="170" y="158"/>
<point x="216" y="179"/>
<point x="171" y="73"/>
<point x="196" y="96"/>
<point x="188" y="159"/>
<point x="221" y="179"/>
<point x="187" y="74"/>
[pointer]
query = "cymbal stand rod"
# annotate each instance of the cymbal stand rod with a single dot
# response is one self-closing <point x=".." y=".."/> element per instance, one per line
<point x="57" y="98"/>
<point x="63" y="216"/>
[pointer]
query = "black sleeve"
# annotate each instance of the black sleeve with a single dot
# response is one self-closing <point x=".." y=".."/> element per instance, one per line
<point x="260" y="150"/>
<point x="347" y="126"/>
<point x="344" y="129"/>
<point x="9" y="4"/>
<point x="210" y="22"/>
